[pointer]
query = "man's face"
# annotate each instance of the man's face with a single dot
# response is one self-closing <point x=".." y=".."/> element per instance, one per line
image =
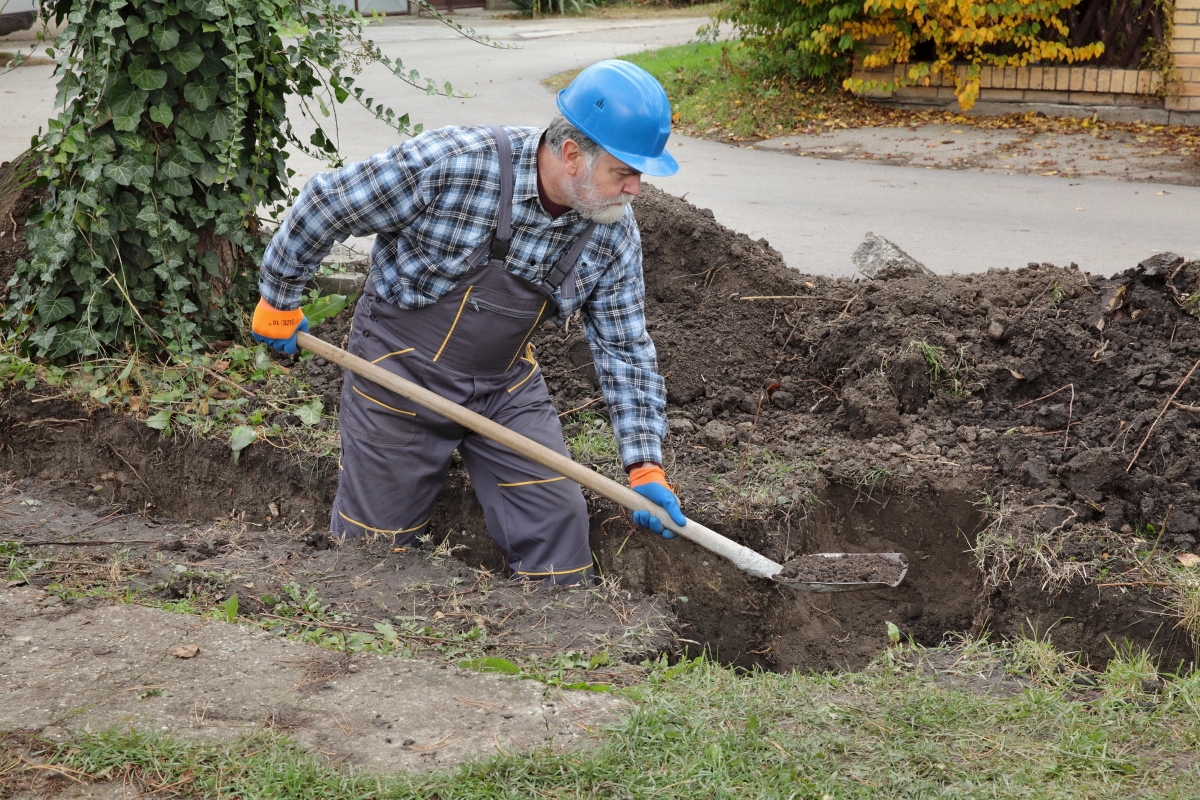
<point x="602" y="191"/>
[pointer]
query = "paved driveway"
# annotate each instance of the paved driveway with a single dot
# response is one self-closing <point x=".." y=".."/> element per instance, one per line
<point x="813" y="210"/>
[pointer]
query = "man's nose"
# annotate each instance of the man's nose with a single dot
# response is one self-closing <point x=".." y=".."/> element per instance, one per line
<point x="632" y="185"/>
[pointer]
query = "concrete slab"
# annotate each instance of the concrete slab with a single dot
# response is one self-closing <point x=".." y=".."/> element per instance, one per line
<point x="67" y="667"/>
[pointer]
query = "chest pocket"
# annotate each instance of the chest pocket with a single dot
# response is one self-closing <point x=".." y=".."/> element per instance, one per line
<point x="491" y="329"/>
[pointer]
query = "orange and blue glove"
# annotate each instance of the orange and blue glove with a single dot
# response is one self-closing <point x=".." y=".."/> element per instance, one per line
<point x="649" y="480"/>
<point x="277" y="328"/>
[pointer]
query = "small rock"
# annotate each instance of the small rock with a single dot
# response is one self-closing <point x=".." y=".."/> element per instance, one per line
<point x="744" y="431"/>
<point x="748" y="404"/>
<point x="1148" y="381"/>
<point x="1184" y="523"/>
<point x="996" y="331"/>
<point x="967" y="433"/>
<point x="352" y="668"/>
<point x="681" y="425"/>
<point x="783" y="399"/>
<point x="881" y="260"/>
<point x="718" y="434"/>
<point x="1178" y="470"/>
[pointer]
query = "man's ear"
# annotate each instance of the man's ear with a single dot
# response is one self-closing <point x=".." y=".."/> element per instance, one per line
<point x="572" y="157"/>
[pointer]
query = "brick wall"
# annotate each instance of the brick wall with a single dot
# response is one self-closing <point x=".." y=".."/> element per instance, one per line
<point x="1115" y="94"/>
<point x="1185" y="48"/>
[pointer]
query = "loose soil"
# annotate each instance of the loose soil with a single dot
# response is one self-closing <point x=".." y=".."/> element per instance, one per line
<point x="985" y="426"/>
<point x="843" y="568"/>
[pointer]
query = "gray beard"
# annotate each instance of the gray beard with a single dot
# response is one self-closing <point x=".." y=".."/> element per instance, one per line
<point x="584" y="199"/>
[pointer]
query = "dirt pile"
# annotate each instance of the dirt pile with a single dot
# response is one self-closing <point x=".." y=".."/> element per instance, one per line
<point x="15" y="204"/>
<point x="985" y="426"/>
<point x="844" y="568"/>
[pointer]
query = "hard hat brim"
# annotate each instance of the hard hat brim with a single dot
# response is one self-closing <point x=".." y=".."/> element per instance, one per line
<point x="658" y="167"/>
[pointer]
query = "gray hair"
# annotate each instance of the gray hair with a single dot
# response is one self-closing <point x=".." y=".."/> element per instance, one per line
<point x="561" y="130"/>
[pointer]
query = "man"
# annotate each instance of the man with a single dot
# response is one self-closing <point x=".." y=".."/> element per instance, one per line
<point x="484" y="233"/>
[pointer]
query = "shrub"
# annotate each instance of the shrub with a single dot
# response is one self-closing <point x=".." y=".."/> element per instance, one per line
<point x="167" y="148"/>
<point x="818" y="38"/>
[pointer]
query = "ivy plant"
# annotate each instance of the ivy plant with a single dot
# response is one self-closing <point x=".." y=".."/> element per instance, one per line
<point x="168" y="156"/>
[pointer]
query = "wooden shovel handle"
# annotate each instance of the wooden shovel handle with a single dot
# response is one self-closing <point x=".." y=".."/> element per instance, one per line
<point x="742" y="557"/>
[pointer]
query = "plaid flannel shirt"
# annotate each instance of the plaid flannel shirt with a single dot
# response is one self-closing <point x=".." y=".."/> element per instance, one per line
<point x="431" y="201"/>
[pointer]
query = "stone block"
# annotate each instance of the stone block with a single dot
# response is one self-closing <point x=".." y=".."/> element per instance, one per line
<point x="1008" y="78"/>
<point x="1062" y="78"/>
<point x="1091" y="76"/>
<point x="1047" y="97"/>
<point x="918" y="92"/>
<point x="1075" y="79"/>
<point x="985" y="77"/>
<point x="1002" y="95"/>
<point x="1188" y="60"/>
<point x="1023" y="77"/>
<point x="1035" y="78"/>
<point x="879" y="259"/>
<point x="1092" y="99"/>
<point x="1143" y="81"/>
<point x="1104" y="81"/>
<point x="1131" y="79"/>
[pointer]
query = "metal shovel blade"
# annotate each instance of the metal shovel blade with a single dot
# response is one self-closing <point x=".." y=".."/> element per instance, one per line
<point x="848" y="586"/>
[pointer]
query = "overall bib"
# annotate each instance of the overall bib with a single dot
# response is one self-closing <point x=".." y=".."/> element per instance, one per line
<point x="471" y="347"/>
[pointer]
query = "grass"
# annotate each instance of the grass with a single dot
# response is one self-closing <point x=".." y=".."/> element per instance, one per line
<point x="903" y="728"/>
<point x="591" y="441"/>
<point x="941" y="369"/>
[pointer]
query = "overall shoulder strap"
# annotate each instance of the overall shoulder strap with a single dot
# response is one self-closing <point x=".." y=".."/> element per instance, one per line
<point x="566" y="265"/>
<point x="503" y="235"/>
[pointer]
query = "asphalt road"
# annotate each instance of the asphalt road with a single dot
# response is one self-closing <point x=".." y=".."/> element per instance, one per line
<point x="815" y="211"/>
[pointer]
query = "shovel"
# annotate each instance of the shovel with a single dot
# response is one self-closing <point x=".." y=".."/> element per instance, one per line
<point x="742" y="557"/>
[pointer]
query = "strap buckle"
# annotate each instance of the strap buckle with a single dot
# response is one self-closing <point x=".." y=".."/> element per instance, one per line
<point x="499" y="250"/>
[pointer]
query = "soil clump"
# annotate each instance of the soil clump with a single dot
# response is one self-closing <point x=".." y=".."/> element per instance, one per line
<point x="1024" y="438"/>
<point x="843" y="568"/>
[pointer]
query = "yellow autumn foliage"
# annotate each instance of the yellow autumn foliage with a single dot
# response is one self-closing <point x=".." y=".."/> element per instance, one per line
<point x="1013" y="33"/>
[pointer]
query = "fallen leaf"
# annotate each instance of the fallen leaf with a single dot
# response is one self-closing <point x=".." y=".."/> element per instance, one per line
<point x="184" y="651"/>
<point x="1162" y="193"/>
<point x="1080" y="208"/>
<point x="398" y="549"/>
<point x="1016" y="375"/>
<point x="1189" y="559"/>
<point x="15" y="584"/>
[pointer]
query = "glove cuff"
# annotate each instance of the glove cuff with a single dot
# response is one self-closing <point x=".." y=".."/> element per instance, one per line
<point x="271" y="323"/>
<point x="647" y="473"/>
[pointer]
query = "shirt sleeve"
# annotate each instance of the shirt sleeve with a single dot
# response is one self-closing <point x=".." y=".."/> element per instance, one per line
<point x="382" y="193"/>
<point x="614" y="322"/>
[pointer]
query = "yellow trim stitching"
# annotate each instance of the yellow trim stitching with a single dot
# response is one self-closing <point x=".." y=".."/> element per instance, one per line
<point x="523" y="380"/>
<point x="385" y="405"/>
<point x="530" y="483"/>
<point x="527" y="335"/>
<point x="381" y="530"/>
<point x="397" y="353"/>
<point x="454" y="324"/>
<point x="551" y="572"/>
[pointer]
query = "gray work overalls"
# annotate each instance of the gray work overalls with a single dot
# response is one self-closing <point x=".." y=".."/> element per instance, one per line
<point x="472" y="347"/>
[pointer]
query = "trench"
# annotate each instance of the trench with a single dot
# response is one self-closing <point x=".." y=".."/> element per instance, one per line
<point x="749" y="622"/>
<point x="737" y="619"/>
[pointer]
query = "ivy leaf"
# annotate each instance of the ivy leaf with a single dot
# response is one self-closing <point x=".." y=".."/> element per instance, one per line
<point x="186" y="58"/>
<point x="340" y="93"/>
<point x="135" y="28"/>
<point x="175" y="166"/>
<point x="164" y="38"/>
<point x="180" y="187"/>
<point x="124" y="211"/>
<point x="162" y="114"/>
<point x="201" y="94"/>
<point x="126" y="104"/>
<point x="145" y="78"/>
<point x="310" y="414"/>
<point x="91" y="171"/>
<point x="160" y="421"/>
<point x="194" y="122"/>
<point x="43" y="339"/>
<point x="56" y="309"/>
<point x="190" y="149"/>
<point x="242" y="437"/>
<point x="207" y="173"/>
<point x="129" y="171"/>
<point x="222" y="125"/>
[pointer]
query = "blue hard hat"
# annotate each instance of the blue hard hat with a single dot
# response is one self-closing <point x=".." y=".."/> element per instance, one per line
<point x="622" y="108"/>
